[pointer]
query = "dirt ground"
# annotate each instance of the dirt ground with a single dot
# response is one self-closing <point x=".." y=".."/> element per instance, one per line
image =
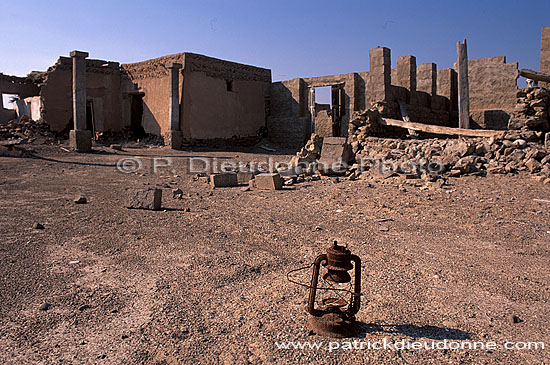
<point x="204" y="279"/>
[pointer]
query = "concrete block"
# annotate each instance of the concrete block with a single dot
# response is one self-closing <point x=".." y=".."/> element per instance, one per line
<point x="149" y="198"/>
<point x="80" y="140"/>
<point x="268" y="182"/>
<point x="243" y="177"/>
<point x="224" y="180"/>
<point x="173" y="139"/>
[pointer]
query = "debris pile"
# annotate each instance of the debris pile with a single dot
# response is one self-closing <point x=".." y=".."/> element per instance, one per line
<point x="531" y="111"/>
<point x="128" y="134"/>
<point x="310" y="153"/>
<point x="26" y="131"/>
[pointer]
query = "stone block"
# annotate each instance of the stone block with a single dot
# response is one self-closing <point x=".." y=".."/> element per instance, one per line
<point x="268" y="182"/>
<point x="243" y="177"/>
<point x="80" y="140"/>
<point x="173" y="139"/>
<point x="335" y="156"/>
<point x="224" y="180"/>
<point x="149" y="198"/>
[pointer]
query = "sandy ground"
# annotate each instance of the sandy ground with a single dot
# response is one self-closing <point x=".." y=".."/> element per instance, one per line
<point x="207" y="284"/>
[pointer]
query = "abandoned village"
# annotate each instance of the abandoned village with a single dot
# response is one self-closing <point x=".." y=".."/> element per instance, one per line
<point x="412" y="207"/>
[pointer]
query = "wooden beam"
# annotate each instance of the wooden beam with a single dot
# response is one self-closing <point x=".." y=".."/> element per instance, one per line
<point x="436" y="129"/>
<point x="406" y="118"/>
<point x="534" y="75"/>
<point x="463" y="86"/>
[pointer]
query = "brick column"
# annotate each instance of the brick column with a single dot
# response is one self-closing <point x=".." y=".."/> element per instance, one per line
<point x="545" y="53"/>
<point x="173" y="137"/>
<point x="426" y="78"/>
<point x="79" y="138"/>
<point x="378" y="86"/>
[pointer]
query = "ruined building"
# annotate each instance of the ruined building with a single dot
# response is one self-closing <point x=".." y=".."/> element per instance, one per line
<point x="217" y="99"/>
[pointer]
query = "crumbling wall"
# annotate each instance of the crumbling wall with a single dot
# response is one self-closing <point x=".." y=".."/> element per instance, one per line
<point x="102" y="89"/>
<point x="223" y="99"/>
<point x="15" y="85"/>
<point x="493" y="88"/>
<point x="287" y="124"/>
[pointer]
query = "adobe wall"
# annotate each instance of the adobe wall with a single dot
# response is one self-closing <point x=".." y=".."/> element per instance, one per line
<point x="210" y="110"/>
<point x="102" y="88"/>
<point x="152" y="77"/>
<point x="15" y="85"/>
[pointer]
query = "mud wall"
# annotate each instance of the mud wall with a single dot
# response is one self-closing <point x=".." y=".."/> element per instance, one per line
<point x="15" y="85"/>
<point x="545" y="53"/>
<point x="223" y="99"/>
<point x="102" y="89"/>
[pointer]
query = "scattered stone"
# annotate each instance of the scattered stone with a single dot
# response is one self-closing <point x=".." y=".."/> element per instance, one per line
<point x="84" y="307"/>
<point x="203" y="179"/>
<point x="243" y="177"/>
<point x="383" y="229"/>
<point x="520" y="143"/>
<point x="38" y="226"/>
<point x="268" y="182"/>
<point x="177" y="193"/>
<point x="45" y="307"/>
<point x="80" y="200"/>
<point x="149" y="198"/>
<point x="515" y="319"/>
<point x="74" y="262"/>
<point x="224" y="180"/>
<point x="246" y="188"/>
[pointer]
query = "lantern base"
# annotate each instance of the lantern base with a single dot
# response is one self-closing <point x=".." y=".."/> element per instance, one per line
<point x="333" y="324"/>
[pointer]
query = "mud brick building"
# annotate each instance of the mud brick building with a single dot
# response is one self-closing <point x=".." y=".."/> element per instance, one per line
<point x="204" y="98"/>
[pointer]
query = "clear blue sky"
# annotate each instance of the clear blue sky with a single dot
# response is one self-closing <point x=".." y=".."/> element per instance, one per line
<point x="292" y="38"/>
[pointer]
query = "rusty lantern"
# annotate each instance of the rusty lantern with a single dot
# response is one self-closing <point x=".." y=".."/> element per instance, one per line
<point x="334" y="316"/>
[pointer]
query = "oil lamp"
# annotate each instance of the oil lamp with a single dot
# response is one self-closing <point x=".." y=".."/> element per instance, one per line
<point x="334" y="315"/>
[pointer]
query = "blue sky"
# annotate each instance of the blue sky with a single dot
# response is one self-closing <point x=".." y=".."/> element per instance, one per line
<point x="292" y="38"/>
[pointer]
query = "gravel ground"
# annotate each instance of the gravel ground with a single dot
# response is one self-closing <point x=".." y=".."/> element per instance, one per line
<point x="204" y="279"/>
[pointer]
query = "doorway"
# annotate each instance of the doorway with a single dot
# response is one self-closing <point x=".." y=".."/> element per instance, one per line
<point x="327" y="107"/>
<point x="136" y="115"/>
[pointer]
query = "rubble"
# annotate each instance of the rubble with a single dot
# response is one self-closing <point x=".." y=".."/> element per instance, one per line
<point x="27" y="131"/>
<point x="531" y="110"/>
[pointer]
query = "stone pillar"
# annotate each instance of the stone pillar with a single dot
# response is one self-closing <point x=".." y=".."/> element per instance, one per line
<point x="426" y="78"/>
<point x="79" y="138"/>
<point x="545" y="53"/>
<point x="447" y="86"/>
<point x="378" y="86"/>
<point x="174" y="137"/>
<point x="463" y="86"/>
<point x="406" y="72"/>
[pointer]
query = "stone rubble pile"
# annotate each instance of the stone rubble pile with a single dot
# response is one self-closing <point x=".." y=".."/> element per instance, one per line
<point x="26" y="131"/>
<point x="531" y="111"/>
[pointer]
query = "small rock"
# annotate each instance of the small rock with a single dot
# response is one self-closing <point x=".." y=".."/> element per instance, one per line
<point x="45" y="307"/>
<point x="383" y="229"/>
<point x="80" y="200"/>
<point x="177" y="193"/>
<point x="84" y="307"/>
<point x="38" y="226"/>
<point x="74" y="262"/>
<point x="520" y="143"/>
<point x="515" y="319"/>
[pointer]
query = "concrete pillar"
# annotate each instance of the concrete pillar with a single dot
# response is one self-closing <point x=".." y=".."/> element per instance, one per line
<point x="378" y="86"/>
<point x="426" y="78"/>
<point x="545" y="53"/>
<point x="174" y="137"/>
<point x="463" y="86"/>
<point x="80" y="138"/>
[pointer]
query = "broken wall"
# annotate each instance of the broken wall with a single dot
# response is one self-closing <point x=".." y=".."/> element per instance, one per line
<point x="102" y="89"/>
<point x="15" y="85"/>
<point x="493" y="91"/>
